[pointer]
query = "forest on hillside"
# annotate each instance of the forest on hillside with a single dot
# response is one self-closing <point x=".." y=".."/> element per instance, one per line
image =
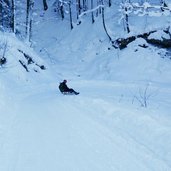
<point x="20" y="17"/>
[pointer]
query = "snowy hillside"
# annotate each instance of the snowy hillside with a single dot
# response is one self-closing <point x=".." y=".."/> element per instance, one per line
<point x="120" y="121"/>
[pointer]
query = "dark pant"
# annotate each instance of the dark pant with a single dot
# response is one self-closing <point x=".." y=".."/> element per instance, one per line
<point x="71" y="90"/>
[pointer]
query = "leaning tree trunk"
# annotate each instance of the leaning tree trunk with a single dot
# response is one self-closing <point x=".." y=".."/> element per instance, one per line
<point x="104" y="25"/>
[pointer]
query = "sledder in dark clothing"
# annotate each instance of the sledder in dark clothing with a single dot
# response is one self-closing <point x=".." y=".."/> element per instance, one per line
<point x="64" y="88"/>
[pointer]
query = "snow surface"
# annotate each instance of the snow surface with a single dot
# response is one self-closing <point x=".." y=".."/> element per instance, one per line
<point x="106" y="127"/>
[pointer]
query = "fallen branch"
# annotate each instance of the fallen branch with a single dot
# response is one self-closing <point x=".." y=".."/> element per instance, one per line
<point x="122" y="43"/>
<point x="24" y="65"/>
<point x="31" y="61"/>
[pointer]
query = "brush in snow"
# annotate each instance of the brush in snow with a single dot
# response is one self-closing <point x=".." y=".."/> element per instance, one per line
<point x="70" y="93"/>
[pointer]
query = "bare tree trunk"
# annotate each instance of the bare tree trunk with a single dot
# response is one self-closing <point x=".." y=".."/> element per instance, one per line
<point x="97" y="11"/>
<point x="27" y="16"/>
<point x="1" y="14"/>
<point x="29" y="19"/>
<point x="110" y="3"/>
<point x="92" y="14"/>
<point x="79" y="7"/>
<point x="45" y="5"/>
<point x="13" y="16"/>
<point x="62" y="10"/>
<point x="104" y="25"/>
<point x="126" y="21"/>
<point x="100" y="9"/>
<point x="84" y="5"/>
<point x="70" y="14"/>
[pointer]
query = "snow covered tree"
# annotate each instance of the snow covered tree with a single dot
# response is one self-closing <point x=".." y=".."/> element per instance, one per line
<point x="84" y="5"/>
<point x="104" y="25"/>
<point x="163" y="5"/>
<point x="126" y="8"/>
<point x="59" y="7"/>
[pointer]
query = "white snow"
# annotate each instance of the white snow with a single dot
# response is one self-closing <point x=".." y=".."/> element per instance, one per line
<point x="105" y="128"/>
<point x="159" y="35"/>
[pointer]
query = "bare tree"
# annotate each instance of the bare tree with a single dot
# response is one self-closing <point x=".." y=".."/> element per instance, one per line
<point x="6" y="14"/>
<point x="84" y="5"/>
<point x="126" y="20"/>
<point x="92" y="13"/>
<point x="78" y="6"/>
<point x="104" y="24"/>
<point x="27" y="15"/>
<point x="144" y="96"/>
<point x="13" y="16"/>
<point x="110" y="3"/>
<point x="163" y="5"/>
<point x="70" y="14"/>
<point x="1" y="14"/>
<point x="45" y="5"/>
<point x="62" y="9"/>
<point x="29" y="19"/>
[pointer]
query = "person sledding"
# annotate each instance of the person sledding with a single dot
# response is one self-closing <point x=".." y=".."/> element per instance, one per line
<point x="65" y="90"/>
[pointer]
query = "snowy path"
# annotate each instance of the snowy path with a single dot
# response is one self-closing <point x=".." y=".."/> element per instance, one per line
<point x="82" y="133"/>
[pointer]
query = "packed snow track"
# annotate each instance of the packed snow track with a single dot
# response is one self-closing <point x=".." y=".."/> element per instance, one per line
<point x="47" y="131"/>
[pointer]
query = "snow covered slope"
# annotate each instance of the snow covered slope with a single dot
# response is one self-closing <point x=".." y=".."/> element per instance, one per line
<point x="98" y="130"/>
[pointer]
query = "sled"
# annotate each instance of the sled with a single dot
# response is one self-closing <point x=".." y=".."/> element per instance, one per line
<point x="68" y="93"/>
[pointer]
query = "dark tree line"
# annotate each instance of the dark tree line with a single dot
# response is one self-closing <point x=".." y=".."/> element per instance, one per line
<point x="8" y="15"/>
<point x="73" y="10"/>
<point x="77" y="8"/>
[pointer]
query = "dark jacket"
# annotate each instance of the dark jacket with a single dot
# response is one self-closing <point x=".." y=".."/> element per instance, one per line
<point x="63" y="87"/>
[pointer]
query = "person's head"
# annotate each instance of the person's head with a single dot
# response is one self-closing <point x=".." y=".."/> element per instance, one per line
<point x="65" y="81"/>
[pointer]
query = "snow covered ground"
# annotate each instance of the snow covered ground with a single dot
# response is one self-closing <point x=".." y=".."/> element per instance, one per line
<point x="105" y="128"/>
<point x="97" y="130"/>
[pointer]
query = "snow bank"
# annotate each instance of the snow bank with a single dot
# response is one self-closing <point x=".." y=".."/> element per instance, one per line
<point x="24" y="67"/>
<point x="159" y="35"/>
